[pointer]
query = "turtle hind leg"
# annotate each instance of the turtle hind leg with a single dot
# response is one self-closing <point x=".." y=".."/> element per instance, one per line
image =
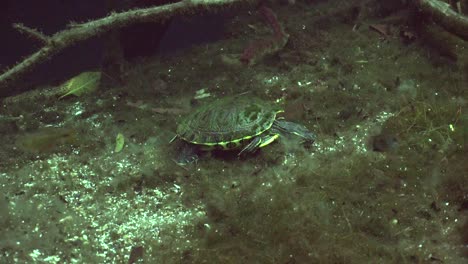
<point x="186" y="154"/>
<point x="258" y="142"/>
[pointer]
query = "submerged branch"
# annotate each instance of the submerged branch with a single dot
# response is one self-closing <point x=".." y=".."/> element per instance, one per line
<point x="78" y="32"/>
<point x="445" y="16"/>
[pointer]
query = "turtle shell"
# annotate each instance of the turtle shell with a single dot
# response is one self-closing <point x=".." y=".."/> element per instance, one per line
<point x="227" y="122"/>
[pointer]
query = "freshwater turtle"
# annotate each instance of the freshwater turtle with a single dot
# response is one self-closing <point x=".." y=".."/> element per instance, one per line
<point x="238" y="122"/>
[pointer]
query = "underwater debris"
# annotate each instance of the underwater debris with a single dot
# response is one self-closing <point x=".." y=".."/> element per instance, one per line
<point x="384" y="30"/>
<point x="119" y="142"/>
<point x="82" y="83"/>
<point x="136" y="254"/>
<point x="49" y="139"/>
<point x="159" y="110"/>
<point x="384" y="143"/>
<point x="257" y="50"/>
<point x="202" y="93"/>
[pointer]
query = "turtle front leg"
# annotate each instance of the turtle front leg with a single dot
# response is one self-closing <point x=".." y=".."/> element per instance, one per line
<point x="258" y="142"/>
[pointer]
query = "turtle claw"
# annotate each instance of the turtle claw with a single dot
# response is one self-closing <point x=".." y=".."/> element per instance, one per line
<point x="251" y="147"/>
<point x="258" y="142"/>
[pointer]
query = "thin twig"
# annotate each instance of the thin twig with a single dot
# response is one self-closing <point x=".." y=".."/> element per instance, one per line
<point x="445" y="16"/>
<point x="32" y="33"/>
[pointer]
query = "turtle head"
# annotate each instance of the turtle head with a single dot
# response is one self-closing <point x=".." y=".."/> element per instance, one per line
<point x="286" y="127"/>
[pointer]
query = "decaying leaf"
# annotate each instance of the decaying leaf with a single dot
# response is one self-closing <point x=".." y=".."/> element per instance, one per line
<point x="119" y="142"/>
<point x="82" y="83"/>
<point x="202" y="93"/>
